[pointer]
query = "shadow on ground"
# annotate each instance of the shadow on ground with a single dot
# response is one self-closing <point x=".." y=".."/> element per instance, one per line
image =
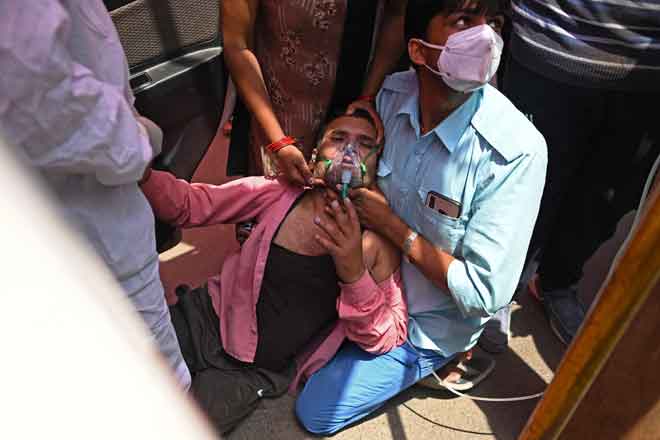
<point x="418" y="413"/>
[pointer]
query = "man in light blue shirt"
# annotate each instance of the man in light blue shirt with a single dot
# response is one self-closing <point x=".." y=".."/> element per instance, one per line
<point x="461" y="174"/>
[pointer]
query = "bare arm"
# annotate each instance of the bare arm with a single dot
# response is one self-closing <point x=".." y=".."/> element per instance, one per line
<point x="373" y="309"/>
<point x="375" y="213"/>
<point x="495" y="241"/>
<point x="389" y="46"/>
<point x="381" y="257"/>
<point x="238" y="27"/>
<point x="432" y="261"/>
<point x="238" y="39"/>
<point x="389" y="49"/>
<point x="371" y="304"/>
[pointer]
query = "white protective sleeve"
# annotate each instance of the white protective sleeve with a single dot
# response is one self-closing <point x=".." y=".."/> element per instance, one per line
<point x="57" y="110"/>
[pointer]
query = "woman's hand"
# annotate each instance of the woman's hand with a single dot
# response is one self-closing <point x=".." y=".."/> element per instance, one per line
<point x="342" y="240"/>
<point x="371" y="207"/>
<point x="291" y="162"/>
<point x="369" y="107"/>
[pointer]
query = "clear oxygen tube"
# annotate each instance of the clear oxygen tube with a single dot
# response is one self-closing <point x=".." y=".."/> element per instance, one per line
<point x="345" y="182"/>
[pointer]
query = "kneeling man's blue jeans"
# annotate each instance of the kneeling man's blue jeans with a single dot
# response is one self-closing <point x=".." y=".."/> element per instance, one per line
<point x="355" y="383"/>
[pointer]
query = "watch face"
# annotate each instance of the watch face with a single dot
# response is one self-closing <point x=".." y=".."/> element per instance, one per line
<point x="407" y="245"/>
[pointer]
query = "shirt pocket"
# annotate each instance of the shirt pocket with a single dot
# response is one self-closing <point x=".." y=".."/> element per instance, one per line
<point x="443" y="231"/>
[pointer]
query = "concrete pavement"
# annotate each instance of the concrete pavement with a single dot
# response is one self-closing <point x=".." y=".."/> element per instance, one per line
<point x="424" y="414"/>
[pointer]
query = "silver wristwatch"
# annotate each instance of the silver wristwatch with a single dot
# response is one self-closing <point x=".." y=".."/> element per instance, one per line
<point x="407" y="244"/>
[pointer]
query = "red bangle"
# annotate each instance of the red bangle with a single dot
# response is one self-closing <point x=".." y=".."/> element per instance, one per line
<point x="284" y="142"/>
<point x="370" y="98"/>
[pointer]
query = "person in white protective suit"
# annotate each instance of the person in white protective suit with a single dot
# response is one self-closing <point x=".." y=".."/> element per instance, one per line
<point x="66" y="104"/>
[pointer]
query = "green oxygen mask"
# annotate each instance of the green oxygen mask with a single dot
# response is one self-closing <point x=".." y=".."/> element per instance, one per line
<point x="346" y="169"/>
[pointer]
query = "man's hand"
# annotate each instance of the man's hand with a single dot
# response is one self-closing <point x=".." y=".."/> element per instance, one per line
<point x="369" y="107"/>
<point x="343" y="240"/>
<point x="371" y="207"/>
<point x="291" y="162"/>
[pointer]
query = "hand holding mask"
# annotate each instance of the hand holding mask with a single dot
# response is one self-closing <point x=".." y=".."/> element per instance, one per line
<point x="347" y="168"/>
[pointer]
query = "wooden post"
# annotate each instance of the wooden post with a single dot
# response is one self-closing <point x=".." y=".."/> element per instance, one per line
<point x="623" y="403"/>
<point x="619" y="302"/>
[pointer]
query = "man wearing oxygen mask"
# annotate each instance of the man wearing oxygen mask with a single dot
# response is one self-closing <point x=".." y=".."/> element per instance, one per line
<point x="307" y="277"/>
<point x="461" y="175"/>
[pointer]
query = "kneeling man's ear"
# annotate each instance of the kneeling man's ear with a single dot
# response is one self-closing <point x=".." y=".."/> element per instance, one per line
<point x="416" y="52"/>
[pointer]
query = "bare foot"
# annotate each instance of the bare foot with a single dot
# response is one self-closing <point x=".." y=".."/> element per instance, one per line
<point x="451" y="373"/>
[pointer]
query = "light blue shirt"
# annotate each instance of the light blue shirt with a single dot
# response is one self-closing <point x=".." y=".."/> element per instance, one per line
<point x="487" y="156"/>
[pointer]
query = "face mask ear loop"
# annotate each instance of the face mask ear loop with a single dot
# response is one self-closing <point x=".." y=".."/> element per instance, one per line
<point x="430" y="46"/>
<point x="432" y="70"/>
<point x="327" y="162"/>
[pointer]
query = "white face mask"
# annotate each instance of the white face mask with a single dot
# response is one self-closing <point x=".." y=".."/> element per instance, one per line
<point x="469" y="59"/>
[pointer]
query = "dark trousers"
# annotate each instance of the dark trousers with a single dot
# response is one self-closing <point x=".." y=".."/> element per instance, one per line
<point x="227" y="390"/>
<point x="601" y="146"/>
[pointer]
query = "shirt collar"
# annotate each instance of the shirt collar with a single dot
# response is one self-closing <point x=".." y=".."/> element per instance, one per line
<point x="452" y="128"/>
<point x="410" y="107"/>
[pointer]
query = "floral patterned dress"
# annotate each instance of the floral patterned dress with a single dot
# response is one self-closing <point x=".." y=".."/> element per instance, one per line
<point x="297" y="43"/>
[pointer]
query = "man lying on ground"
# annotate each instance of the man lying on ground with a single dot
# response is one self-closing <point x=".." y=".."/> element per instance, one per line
<point x="307" y="277"/>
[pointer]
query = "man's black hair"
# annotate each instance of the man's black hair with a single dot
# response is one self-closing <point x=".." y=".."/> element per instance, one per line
<point x="419" y="13"/>
<point x="360" y="114"/>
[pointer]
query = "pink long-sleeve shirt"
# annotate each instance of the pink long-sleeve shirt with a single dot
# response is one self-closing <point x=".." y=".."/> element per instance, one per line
<point x="374" y="315"/>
